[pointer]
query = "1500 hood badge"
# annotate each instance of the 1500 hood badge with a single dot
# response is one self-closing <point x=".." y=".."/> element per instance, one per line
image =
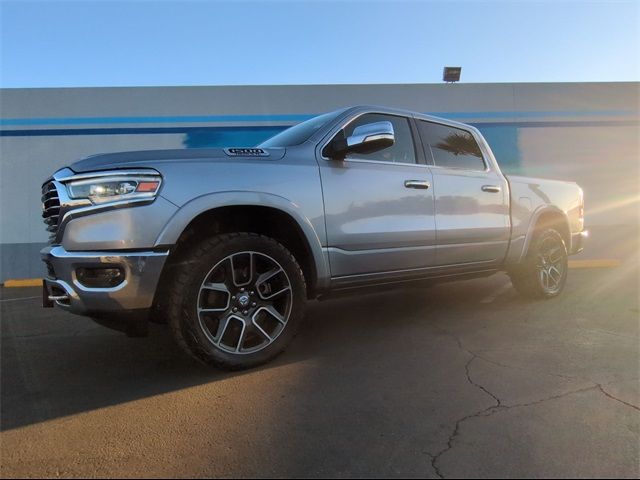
<point x="246" y="152"/>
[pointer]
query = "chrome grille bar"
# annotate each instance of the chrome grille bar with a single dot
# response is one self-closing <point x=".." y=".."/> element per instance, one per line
<point x="50" y="208"/>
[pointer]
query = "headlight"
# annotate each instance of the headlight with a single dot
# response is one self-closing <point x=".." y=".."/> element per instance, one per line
<point x="115" y="188"/>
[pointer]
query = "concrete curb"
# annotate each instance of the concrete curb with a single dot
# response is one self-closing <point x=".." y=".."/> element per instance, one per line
<point x="25" y="282"/>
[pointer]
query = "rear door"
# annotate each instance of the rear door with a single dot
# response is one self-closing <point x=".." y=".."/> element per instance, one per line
<point x="471" y="198"/>
<point x="379" y="207"/>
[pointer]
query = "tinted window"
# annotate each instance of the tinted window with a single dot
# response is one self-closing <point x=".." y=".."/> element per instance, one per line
<point x="402" y="151"/>
<point x="451" y="147"/>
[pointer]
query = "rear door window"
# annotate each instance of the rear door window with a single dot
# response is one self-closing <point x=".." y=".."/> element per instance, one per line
<point x="451" y="147"/>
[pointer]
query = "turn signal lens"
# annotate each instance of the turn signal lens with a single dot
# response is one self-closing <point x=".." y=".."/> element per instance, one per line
<point x="147" y="186"/>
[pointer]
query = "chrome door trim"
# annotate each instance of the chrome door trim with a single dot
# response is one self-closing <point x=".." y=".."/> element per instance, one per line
<point x="381" y="162"/>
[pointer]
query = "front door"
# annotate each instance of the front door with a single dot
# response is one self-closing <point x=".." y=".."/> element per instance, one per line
<point x="379" y="207"/>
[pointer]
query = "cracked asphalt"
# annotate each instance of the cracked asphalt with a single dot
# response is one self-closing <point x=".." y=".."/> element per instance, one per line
<point x="458" y="380"/>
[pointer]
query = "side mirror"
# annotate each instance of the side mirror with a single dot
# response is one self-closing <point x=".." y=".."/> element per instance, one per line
<point x="368" y="138"/>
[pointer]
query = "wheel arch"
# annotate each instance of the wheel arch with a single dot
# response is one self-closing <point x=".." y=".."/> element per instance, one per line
<point x="543" y="218"/>
<point x="261" y="213"/>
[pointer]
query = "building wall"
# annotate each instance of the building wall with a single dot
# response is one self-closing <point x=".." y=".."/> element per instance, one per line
<point x="586" y="132"/>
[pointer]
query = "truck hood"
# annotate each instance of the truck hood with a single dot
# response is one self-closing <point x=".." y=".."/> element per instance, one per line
<point x="149" y="158"/>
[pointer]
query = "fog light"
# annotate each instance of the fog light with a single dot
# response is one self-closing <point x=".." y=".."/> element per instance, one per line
<point x="100" y="277"/>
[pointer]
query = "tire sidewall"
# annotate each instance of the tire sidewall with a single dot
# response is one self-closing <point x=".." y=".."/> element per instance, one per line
<point x="199" y="266"/>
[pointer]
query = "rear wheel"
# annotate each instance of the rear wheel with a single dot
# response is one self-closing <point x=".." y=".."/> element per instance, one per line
<point x="237" y="300"/>
<point x="543" y="273"/>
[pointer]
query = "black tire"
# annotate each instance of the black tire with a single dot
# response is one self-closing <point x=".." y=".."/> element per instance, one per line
<point x="191" y="328"/>
<point x="548" y="252"/>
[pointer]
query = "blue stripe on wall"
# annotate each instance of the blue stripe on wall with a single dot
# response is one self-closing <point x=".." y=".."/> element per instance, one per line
<point x="131" y="130"/>
<point x="15" y="122"/>
<point x="9" y="122"/>
<point x="558" y="123"/>
<point x="502" y="136"/>
<point x="504" y="143"/>
<point x="539" y="114"/>
<point x="224" y="137"/>
<point x="277" y="128"/>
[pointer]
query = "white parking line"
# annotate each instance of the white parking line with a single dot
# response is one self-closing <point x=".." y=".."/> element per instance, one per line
<point x="17" y="299"/>
<point x="490" y="298"/>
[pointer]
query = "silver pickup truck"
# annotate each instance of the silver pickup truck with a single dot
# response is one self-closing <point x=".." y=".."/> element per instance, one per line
<point x="228" y="245"/>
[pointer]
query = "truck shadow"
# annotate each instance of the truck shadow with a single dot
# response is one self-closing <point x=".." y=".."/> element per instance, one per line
<point x="55" y="364"/>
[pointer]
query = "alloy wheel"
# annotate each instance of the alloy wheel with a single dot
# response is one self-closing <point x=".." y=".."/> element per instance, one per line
<point x="244" y="302"/>
<point x="551" y="264"/>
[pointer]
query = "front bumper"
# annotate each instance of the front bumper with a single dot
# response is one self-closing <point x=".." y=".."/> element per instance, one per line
<point x="141" y="274"/>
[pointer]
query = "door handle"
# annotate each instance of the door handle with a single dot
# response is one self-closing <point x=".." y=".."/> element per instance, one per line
<point x="491" y="188"/>
<point x="423" y="184"/>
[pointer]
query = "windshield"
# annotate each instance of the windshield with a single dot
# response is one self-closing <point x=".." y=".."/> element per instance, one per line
<point x="301" y="132"/>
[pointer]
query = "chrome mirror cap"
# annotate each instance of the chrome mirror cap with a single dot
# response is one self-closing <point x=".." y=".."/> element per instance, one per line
<point x="371" y="137"/>
<point x="365" y="139"/>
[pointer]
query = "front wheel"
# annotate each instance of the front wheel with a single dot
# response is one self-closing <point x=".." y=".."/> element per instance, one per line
<point x="543" y="273"/>
<point x="237" y="300"/>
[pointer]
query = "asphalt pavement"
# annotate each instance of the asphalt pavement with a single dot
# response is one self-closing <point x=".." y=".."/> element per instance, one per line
<point x="464" y="379"/>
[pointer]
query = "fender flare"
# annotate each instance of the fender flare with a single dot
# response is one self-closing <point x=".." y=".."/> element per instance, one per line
<point x="238" y="198"/>
<point x="535" y="216"/>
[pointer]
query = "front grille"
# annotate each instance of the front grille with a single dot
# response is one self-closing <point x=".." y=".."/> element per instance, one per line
<point x="51" y="209"/>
